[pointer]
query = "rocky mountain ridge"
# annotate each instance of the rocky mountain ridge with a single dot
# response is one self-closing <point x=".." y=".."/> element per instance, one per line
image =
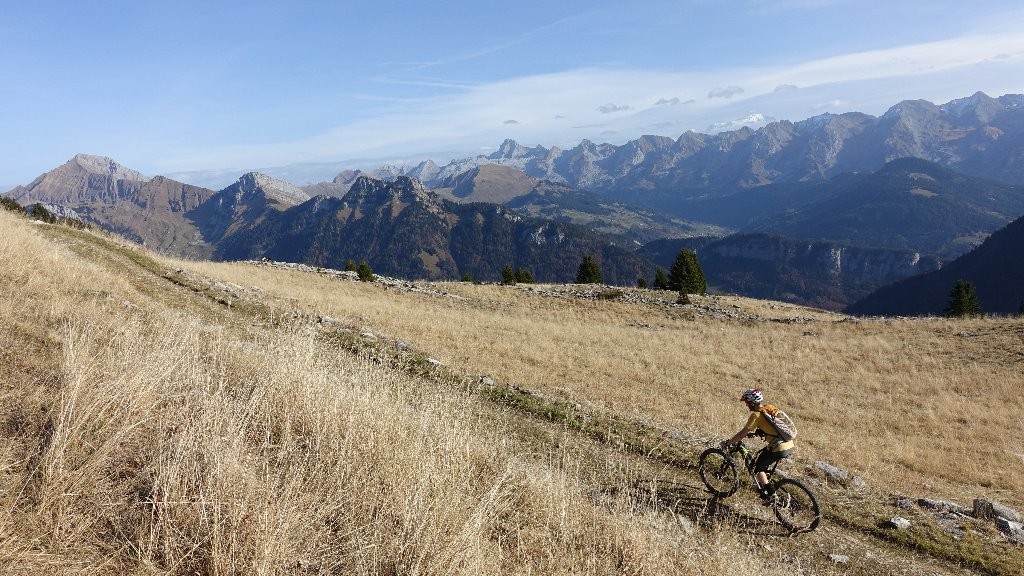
<point x="978" y="135"/>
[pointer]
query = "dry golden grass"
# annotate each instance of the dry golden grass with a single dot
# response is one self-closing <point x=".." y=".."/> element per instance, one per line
<point x="147" y="437"/>
<point x="927" y="407"/>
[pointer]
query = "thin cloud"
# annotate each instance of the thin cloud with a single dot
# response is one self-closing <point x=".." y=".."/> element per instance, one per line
<point x="667" y="102"/>
<point x="727" y="92"/>
<point x="786" y="88"/>
<point x="473" y="116"/>
<point x="510" y="122"/>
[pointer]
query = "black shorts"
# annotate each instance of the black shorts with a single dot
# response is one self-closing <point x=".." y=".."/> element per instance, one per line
<point x="766" y="459"/>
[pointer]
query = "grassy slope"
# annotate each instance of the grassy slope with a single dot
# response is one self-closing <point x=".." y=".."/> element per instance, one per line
<point x="157" y="422"/>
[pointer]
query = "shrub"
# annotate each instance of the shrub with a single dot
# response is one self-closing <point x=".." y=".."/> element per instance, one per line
<point x="11" y="204"/>
<point x="39" y="212"/>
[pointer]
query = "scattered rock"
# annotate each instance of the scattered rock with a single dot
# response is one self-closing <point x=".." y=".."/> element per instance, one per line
<point x="832" y="473"/>
<point x="943" y="506"/>
<point x="899" y="523"/>
<point x="434" y="362"/>
<point x="1009" y="527"/>
<point x="839" y="558"/>
<point x="486" y="381"/>
<point x="904" y="503"/>
<point x="951" y="522"/>
<point x="991" y="509"/>
<point x="685" y="523"/>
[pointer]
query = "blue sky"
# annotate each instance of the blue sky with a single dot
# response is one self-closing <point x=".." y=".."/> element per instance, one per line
<point x="225" y="87"/>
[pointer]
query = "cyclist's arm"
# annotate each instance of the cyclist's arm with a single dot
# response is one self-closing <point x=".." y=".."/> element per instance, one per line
<point x="747" y="429"/>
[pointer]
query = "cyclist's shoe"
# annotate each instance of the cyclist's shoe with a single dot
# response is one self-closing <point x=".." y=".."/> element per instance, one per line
<point x="767" y="493"/>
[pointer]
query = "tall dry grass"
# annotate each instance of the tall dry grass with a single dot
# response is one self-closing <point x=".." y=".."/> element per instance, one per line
<point x="161" y="441"/>
<point x="895" y="401"/>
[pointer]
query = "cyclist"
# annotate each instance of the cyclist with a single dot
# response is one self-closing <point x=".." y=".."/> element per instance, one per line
<point x="777" y="447"/>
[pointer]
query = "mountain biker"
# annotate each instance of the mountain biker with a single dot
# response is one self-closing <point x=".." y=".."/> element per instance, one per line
<point x="757" y="423"/>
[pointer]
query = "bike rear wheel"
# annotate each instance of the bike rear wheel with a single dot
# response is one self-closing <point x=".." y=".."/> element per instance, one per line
<point x="718" y="471"/>
<point x="796" y="506"/>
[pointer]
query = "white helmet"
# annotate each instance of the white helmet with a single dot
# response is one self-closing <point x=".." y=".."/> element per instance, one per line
<point x="753" y="395"/>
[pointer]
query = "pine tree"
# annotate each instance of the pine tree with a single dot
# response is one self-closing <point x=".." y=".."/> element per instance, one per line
<point x="523" y="276"/>
<point x="39" y="212"/>
<point x="686" y="275"/>
<point x="660" y="279"/>
<point x="350" y="265"/>
<point x="641" y="282"/>
<point x="365" y="272"/>
<point x="589" y="272"/>
<point x="963" y="300"/>
<point x="508" y="276"/>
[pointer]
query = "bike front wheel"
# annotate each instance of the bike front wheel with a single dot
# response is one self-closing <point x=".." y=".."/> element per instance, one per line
<point x="718" y="471"/>
<point x="796" y="506"/>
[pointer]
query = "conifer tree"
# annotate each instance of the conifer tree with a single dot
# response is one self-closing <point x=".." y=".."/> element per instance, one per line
<point x="523" y="276"/>
<point x="365" y="272"/>
<point x="660" y="279"/>
<point x="641" y="282"/>
<point x="350" y="265"/>
<point x="686" y="275"/>
<point x="589" y="272"/>
<point x="963" y="300"/>
<point x="508" y="276"/>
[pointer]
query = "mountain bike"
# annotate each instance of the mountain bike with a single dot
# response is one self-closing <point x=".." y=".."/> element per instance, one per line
<point x="793" y="503"/>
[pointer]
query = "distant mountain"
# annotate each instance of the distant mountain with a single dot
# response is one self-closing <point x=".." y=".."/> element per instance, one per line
<point x="994" y="268"/>
<point x="822" y="274"/>
<point x="910" y="204"/>
<point x="511" y="187"/>
<point x="402" y="229"/>
<point x="149" y="211"/>
<point x="976" y="136"/>
<point x="488" y="183"/>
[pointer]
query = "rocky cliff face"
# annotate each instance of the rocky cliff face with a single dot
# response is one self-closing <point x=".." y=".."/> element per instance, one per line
<point x="82" y="179"/>
<point x="979" y="135"/>
<point x="823" y="274"/>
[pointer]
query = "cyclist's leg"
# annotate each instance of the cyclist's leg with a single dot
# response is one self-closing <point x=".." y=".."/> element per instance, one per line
<point x="764" y="461"/>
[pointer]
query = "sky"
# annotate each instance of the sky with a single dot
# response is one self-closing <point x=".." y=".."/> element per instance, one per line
<point x="205" y="91"/>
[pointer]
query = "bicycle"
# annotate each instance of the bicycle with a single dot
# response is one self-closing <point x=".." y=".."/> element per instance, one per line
<point x="793" y="503"/>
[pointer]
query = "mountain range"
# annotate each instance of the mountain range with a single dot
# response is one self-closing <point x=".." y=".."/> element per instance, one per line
<point x="821" y="211"/>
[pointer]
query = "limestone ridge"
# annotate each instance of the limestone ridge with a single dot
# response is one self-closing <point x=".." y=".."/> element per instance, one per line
<point x="402" y="229"/>
<point x="978" y="135"/>
<point x="83" y="178"/>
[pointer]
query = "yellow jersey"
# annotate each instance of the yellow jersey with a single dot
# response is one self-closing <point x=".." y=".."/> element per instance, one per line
<point x="757" y="421"/>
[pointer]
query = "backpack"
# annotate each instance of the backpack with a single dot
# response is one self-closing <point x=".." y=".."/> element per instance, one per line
<point x="782" y="422"/>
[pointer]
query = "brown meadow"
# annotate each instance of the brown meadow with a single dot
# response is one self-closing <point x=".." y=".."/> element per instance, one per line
<point x="150" y="430"/>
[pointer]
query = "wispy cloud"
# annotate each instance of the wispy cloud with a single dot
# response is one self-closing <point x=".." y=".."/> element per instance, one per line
<point x="476" y="115"/>
<point x="727" y="92"/>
